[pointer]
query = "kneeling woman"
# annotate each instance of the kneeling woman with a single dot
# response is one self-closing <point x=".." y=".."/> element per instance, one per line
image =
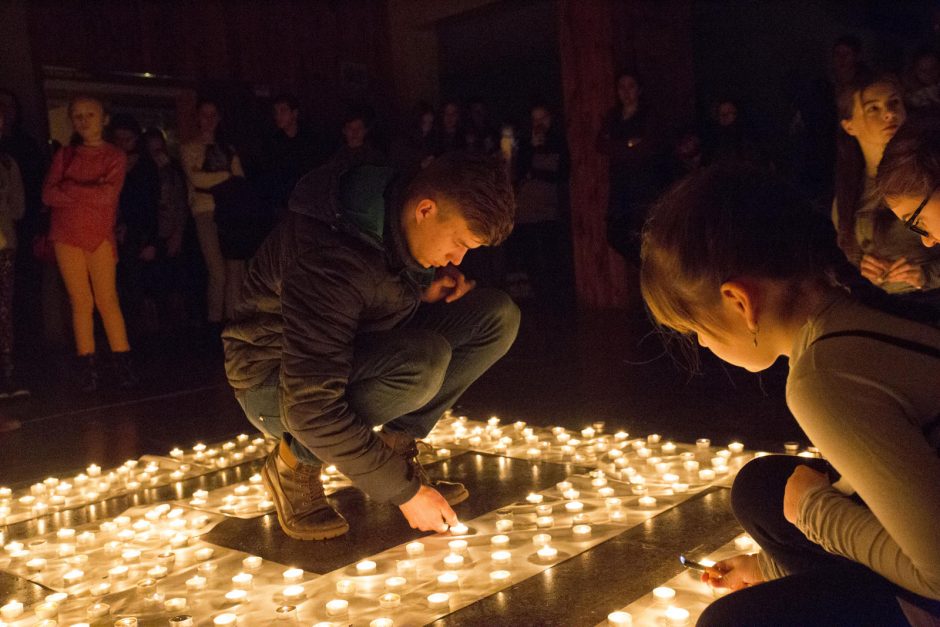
<point x="737" y="261"/>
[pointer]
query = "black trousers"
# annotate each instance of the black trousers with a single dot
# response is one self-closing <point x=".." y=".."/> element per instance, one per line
<point x="821" y="588"/>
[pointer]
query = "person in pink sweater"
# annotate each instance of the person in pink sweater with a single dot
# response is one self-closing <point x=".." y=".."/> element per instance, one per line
<point x="82" y="188"/>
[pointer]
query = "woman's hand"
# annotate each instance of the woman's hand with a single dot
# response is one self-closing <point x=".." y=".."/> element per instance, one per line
<point x="874" y="268"/>
<point x="734" y="573"/>
<point x="803" y="480"/>
<point x="903" y="271"/>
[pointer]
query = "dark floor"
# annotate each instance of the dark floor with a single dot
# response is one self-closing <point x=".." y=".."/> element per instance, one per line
<point x="566" y="371"/>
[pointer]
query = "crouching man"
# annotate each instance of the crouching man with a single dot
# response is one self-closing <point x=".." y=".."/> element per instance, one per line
<point x="356" y="332"/>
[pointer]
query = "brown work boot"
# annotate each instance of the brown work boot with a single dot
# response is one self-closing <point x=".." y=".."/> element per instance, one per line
<point x="302" y="508"/>
<point x="405" y="445"/>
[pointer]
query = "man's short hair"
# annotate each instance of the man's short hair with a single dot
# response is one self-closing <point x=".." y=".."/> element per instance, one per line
<point x="478" y="184"/>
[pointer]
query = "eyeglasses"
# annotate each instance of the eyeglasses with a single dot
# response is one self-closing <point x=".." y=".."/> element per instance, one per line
<point x="910" y="223"/>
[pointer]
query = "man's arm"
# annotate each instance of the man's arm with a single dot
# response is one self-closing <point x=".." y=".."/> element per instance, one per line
<point x="321" y="307"/>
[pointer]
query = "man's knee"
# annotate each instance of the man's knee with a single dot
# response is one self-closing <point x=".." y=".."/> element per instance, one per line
<point x="502" y="315"/>
<point x="428" y="359"/>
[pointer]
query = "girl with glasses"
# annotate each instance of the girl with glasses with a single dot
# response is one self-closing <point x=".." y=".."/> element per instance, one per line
<point x="736" y="261"/>
<point x="909" y="179"/>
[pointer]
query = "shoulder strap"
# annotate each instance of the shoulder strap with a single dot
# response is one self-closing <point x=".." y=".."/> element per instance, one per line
<point x="910" y="345"/>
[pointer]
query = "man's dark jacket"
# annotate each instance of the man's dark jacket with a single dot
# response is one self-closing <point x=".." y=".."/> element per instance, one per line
<point x="336" y="266"/>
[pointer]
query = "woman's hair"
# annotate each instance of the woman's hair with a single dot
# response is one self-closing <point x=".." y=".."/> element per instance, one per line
<point x="911" y="162"/>
<point x="722" y="224"/>
<point x="850" y="163"/>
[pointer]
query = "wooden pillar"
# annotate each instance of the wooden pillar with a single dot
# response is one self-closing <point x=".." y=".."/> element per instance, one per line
<point x="587" y="73"/>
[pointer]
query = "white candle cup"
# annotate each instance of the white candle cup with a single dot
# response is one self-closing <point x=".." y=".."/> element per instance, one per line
<point x="501" y="558"/>
<point x="571" y="494"/>
<point x="130" y="556"/>
<point x="547" y="554"/>
<point x="619" y="619"/>
<point x="561" y="486"/>
<point x="574" y="507"/>
<point x="345" y="587"/>
<point x="196" y="583"/>
<point x="500" y="540"/>
<point x="73" y="576"/>
<point x="448" y="580"/>
<point x="500" y="576"/>
<point x="204" y="554"/>
<point x="236" y="596"/>
<point x="664" y="595"/>
<point x="37" y="564"/>
<point x="668" y="448"/>
<point x="457" y="546"/>
<point x="690" y="465"/>
<point x="544" y="522"/>
<point x="599" y="482"/>
<point x="366" y="567"/>
<point x="175" y="605"/>
<point x="118" y="572"/>
<point x="743" y="543"/>
<point x="98" y="610"/>
<point x="459" y="529"/>
<point x="679" y="488"/>
<point x="224" y="620"/>
<point x="406" y="568"/>
<point x="534" y="498"/>
<point x="414" y="549"/>
<point x="504" y="524"/>
<point x="647" y="501"/>
<point x="293" y="594"/>
<point x="389" y="600"/>
<point x="100" y="589"/>
<point x="677" y="616"/>
<point x="46" y="610"/>
<point x="293" y="575"/>
<point x="581" y="532"/>
<point x="617" y="516"/>
<point x="613" y="503"/>
<point x="12" y="610"/>
<point x="382" y="621"/>
<point x="541" y="539"/>
<point x="791" y="447"/>
<point x="706" y="474"/>
<point x="394" y="584"/>
<point x="242" y="580"/>
<point x="736" y="447"/>
<point x="439" y="600"/>
<point x="453" y="561"/>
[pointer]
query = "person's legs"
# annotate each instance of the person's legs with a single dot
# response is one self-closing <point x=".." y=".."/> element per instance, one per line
<point x="101" y="269"/>
<point x="479" y="328"/>
<point x="7" y="276"/>
<point x="74" y="271"/>
<point x="826" y="596"/>
<point x="208" y="234"/>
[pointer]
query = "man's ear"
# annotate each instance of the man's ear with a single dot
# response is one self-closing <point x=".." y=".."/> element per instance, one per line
<point x="742" y="298"/>
<point x="426" y="208"/>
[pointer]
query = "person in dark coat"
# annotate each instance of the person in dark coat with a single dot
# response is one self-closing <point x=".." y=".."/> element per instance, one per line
<point x="356" y="332"/>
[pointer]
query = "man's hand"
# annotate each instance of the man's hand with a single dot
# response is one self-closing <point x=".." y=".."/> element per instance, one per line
<point x="804" y="479"/>
<point x="449" y="284"/>
<point x="734" y="573"/>
<point x="428" y="511"/>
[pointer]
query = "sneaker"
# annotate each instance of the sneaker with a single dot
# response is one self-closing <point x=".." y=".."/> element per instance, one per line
<point x="407" y="447"/>
<point x="299" y="499"/>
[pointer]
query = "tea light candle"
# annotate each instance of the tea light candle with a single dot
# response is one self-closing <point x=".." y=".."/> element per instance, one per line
<point x="499" y="576"/>
<point x="13" y="547"/>
<point x="504" y="524"/>
<point x="547" y="553"/>
<point x="690" y="465"/>
<point x="541" y="539"/>
<point x="743" y="543"/>
<point x="73" y="576"/>
<point x="56" y="597"/>
<point x="395" y="583"/>
<point x="46" y="610"/>
<point x="664" y="595"/>
<point x="791" y="447"/>
<point x="573" y="507"/>
<point x="571" y="494"/>
<point x="175" y="604"/>
<point x="459" y="529"/>
<point x="118" y="572"/>
<point x="581" y="532"/>
<point x="98" y="610"/>
<point x="406" y="568"/>
<point x="12" y="610"/>
<point x="617" y="515"/>
<point x="447" y="580"/>
<point x="130" y="556"/>
<point x="457" y="546"/>
<point x="599" y="482"/>
<point x="293" y="575"/>
<point x="345" y="586"/>
<point x="534" y="498"/>
<point x="613" y="503"/>
<point x="677" y="616"/>
<point x="236" y="596"/>
<point x="414" y="549"/>
<point x="647" y="501"/>
<point x="208" y="568"/>
<point x="157" y="572"/>
<point x="544" y="522"/>
<point x="453" y="561"/>
<point x="242" y="580"/>
<point x="389" y="600"/>
<point x="501" y="558"/>
<point x="223" y="620"/>
<point x="563" y="485"/>
<point x="679" y="488"/>
<point x="337" y="607"/>
<point x="196" y="582"/>
<point x="620" y="619"/>
<point x="366" y="567"/>
<point x="706" y="474"/>
<point x="668" y="448"/>
<point x="36" y="564"/>
<point x="100" y="589"/>
<point x="293" y="594"/>
<point x="204" y="553"/>
<point x="438" y="600"/>
<point x="500" y="540"/>
<point x="86" y="538"/>
<point x="382" y="621"/>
